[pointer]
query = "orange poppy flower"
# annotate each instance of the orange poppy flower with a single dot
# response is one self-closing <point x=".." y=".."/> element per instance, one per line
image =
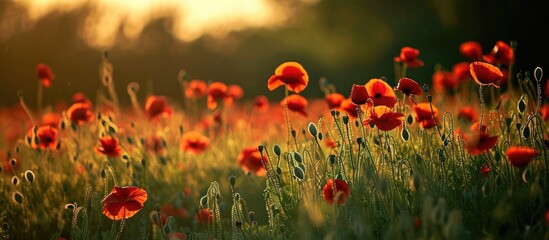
<point x="334" y="100"/>
<point x="157" y="106"/>
<point x="341" y="190"/>
<point x="196" y="89"/>
<point x="444" y="81"/>
<point x="204" y="215"/>
<point x="472" y="50"/>
<point x="469" y="113"/>
<point x="349" y="107"/>
<point x="408" y="87"/>
<point x="250" y="161"/>
<point x="384" y="118"/>
<point x="408" y="56"/>
<point x="216" y="91"/>
<point x="80" y="113"/>
<point x="261" y="103"/>
<point x="424" y="116"/>
<point x="485" y="74"/>
<point x="291" y="74"/>
<point x="154" y="144"/>
<point x="359" y="94"/>
<point x="502" y="54"/>
<point x="45" y="74"/>
<point x="43" y="137"/>
<point x="80" y="97"/>
<point x="485" y="170"/>
<point x="479" y="141"/>
<point x="109" y="146"/>
<point x="123" y="202"/>
<point x="51" y="118"/>
<point x="520" y="156"/>
<point x="295" y="103"/>
<point x="382" y="94"/>
<point x="194" y="142"/>
<point x="461" y="71"/>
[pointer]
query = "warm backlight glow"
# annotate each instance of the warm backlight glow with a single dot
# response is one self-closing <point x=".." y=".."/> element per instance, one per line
<point x="106" y="20"/>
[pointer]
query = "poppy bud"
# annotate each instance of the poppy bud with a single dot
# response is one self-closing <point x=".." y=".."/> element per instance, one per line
<point x="312" y="130"/>
<point x="298" y="157"/>
<point x="359" y="94"/>
<point x="29" y="176"/>
<point x="13" y="161"/>
<point x="345" y="119"/>
<point x="276" y="150"/>
<point x="332" y="158"/>
<point x="17" y="197"/>
<point x="232" y="180"/>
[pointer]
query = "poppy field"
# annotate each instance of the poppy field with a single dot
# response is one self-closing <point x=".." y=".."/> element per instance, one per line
<point x="461" y="156"/>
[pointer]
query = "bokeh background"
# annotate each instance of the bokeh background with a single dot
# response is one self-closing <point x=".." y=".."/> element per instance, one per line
<point x="242" y="41"/>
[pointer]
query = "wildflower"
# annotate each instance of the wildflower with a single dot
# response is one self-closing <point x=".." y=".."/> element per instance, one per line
<point x="461" y="71"/>
<point x="291" y="74"/>
<point x="43" y="137"/>
<point x="520" y="156"/>
<point x="472" y="50"/>
<point x="334" y="100"/>
<point x="502" y="54"/>
<point x="157" y="106"/>
<point x="469" y="113"/>
<point x="485" y="74"/>
<point x="204" y="215"/>
<point x="382" y="94"/>
<point x="359" y="94"/>
<point x="195" y="89"/>
<point x="194" y="142"/>
<point x="547" y="217"/>
<point x="349" y="107"/>
<point x="109" y="146"/>
<point x="340" y="191"/>
<point x="408" y="56"/>
<point x="45" y="74"/>
<point x="169" y="210"/>
<point x="444" y="81"/>
<point x="234" y="92"/>
<point x="216" y="91"/>
<point x="154" y="144"/>
<point x="484" y="170"/>
<point x="330" y="142"/>
<point x="384" y="118"/>
<point x="123" y="202"/>
<point x="544" y="111"/>
<point x="261" y="103"/>
<point x="479" y="141"/>
<point x="424" y="116"/>
<point x="296" y="103"/>
<point x="250" y="160"/>
<point x="408" y="87"/>
<point x="80" y="113"/>
<point x="52" y="119"/>
<point x="176" y="236"/>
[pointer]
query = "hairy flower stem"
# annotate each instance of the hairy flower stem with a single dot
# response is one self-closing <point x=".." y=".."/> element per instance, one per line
<point x="287" y="119"/>
<point x="25" y="107"/>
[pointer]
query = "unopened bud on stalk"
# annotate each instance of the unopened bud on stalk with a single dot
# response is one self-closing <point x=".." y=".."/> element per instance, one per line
<point x="232" y="180"/>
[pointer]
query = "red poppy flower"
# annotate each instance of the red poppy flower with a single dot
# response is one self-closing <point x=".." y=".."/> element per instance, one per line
<point x="195" y="89"/>
<point x="109" y="146"/>
<point x="384" y="118"/>
<point x="469" y="113"/>
<point x="123" y="202"/>
<point x="520" y="156"/>
<point x="547" y="217"/>
<point x="484" y="170"/>
<point x="194" y="142"/>
<point x="234" y="92"/>
<point x="250" y="161"/>
<point x="43" y="137"/>
<point x="424" y="116"/>
<point x="502" y="54"/>
<point x="461" y="71"/>
<point x="80" y="113"/>
<point x="408" y="56"/>
<point x="291" y="74"/>
<point x="169" y="210"/>
<point x="382" y="94"/>
<point x="51" y="118"/>
<point x="295" y="103"/>
<point x="216" y="91"/>
<point x="330" y="142"/>
<point x="176" y="236"/>
<point x="340" y="191"/>
<point x="154" y="144"/>
<point x="544" y="111"/>
<point x="408" y="87"/>
<point x="45" y="74"/>
<point x="80" y="97"/>
<point x="261" y="103"/>
<point x="472" y="50"/>
<point x="444" y="81"/>
<point x="334" y="100"/>
<point x="479" y="141"/>
<point x="485" y="74"/>
<point x="349" y="107"/>
<point x="204" y="215"/>
<point x="157" y="106"/>
<point x="359" y="94"/>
